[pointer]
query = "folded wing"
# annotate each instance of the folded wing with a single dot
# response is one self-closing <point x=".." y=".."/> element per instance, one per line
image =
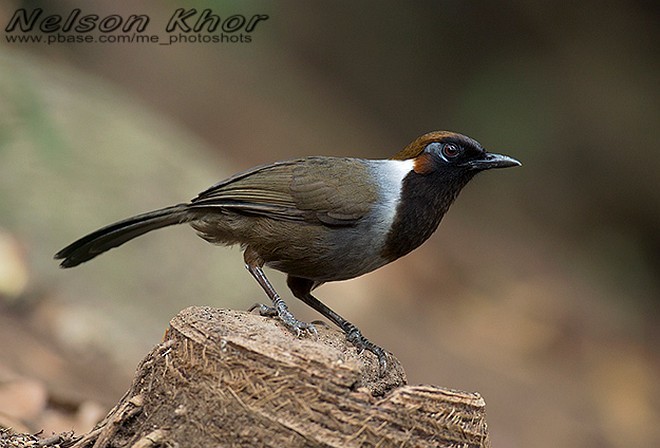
<point x="325" y="190"/>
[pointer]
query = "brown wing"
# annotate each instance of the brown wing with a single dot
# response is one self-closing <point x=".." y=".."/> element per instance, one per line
<point x="332" y="191"/>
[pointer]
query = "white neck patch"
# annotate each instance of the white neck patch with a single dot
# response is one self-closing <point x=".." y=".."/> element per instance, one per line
<point x="389" y="175"/>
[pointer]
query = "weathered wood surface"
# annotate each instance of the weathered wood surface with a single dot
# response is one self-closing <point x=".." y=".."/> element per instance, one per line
<point x="225" y="378"/>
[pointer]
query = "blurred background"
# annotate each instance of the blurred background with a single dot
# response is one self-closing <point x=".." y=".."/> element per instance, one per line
<point x="541" y="290"/>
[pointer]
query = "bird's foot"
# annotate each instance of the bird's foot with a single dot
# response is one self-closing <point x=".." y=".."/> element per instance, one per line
<point x="264" y="310"/>
<point x="288" y="319"/>
<point x="354" y="336"/>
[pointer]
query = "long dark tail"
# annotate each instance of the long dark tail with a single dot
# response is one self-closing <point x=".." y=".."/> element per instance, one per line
<point x="118" y="233"/>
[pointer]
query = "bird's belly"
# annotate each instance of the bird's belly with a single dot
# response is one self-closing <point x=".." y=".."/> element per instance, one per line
<point x="312" y="251"/>
<point x="343" y="254"/>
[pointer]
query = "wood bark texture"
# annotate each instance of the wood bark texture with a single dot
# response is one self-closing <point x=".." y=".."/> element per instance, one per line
<point x="224" y="378"/>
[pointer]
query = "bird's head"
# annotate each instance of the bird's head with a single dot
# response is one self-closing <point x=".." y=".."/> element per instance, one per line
<point x="443" y="163"/>
<point x="451" y="153"/>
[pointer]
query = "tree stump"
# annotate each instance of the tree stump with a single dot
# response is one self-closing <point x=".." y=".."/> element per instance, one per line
<point x="225" y="378"/>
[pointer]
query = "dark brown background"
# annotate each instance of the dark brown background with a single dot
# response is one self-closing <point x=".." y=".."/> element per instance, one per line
<point x="541" y="288"/>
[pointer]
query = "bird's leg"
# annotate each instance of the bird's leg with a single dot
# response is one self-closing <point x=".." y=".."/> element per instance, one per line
<point x="279" y="307"/>
<point x="302" y="288"/>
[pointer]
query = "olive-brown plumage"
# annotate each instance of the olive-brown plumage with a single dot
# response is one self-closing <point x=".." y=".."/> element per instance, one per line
<point x="319" y="219"/>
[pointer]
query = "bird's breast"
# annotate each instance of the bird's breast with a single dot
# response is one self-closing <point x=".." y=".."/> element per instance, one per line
<point x="423" y="202"/>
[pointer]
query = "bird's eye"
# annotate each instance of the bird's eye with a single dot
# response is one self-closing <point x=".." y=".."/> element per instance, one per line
<point x="450" y="150"/>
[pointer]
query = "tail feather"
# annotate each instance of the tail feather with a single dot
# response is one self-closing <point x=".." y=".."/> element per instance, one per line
<point x="120" y="232"/>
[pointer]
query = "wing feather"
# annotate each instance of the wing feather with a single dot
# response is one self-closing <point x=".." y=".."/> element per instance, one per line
<point x="327" y="190"/>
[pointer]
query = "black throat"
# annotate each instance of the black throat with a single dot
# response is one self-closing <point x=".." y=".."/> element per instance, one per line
<point x="425" y="198"/>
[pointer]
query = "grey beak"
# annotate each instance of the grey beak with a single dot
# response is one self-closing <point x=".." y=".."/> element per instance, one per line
<point x="493" y="161"/>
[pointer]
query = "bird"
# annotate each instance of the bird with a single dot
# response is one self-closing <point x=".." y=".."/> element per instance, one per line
<point x="319" y="219"/>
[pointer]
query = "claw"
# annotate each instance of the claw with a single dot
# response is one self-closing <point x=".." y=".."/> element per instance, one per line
<point x="311" y="329"/>
<point x="264" y="310"/>
<point x="300" y="327"/>
<point x="355" y="337"/>
<point x="382" y="361"/>
<point x="320" y="322"/>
